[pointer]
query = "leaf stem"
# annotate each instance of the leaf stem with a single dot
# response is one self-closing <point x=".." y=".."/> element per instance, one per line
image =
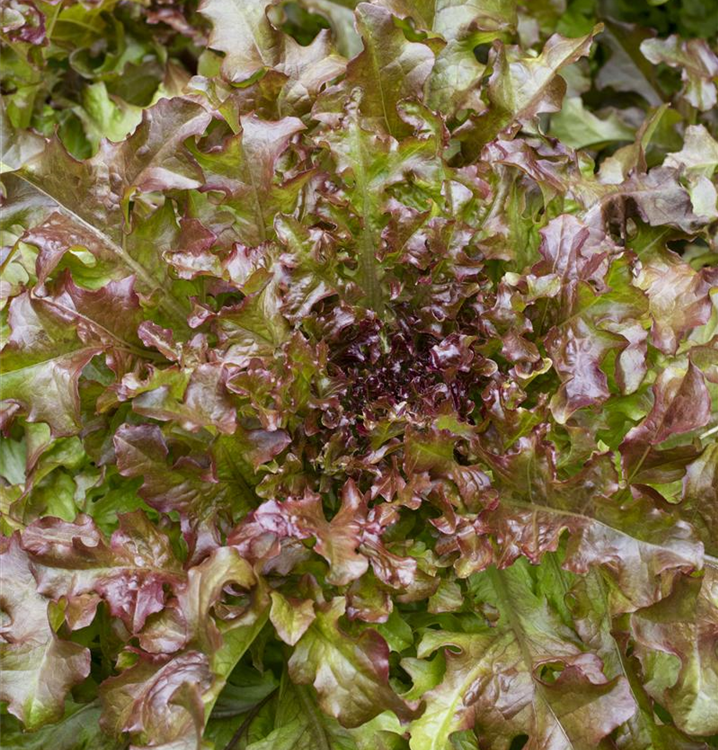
<point x="244" y="726"/>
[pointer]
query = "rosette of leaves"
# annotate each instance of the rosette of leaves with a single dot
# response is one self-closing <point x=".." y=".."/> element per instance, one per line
<point x="359" y="372"/>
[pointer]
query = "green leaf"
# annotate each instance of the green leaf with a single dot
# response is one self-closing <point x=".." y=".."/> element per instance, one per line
<point x="510" y="665"/>
<point x="350" y="675"/>
<point x="79" y="729"/>
<point x="578" y="127"/>
<point x="301" y="724"/>
<point x="388" y="70"/>
<point x="521" y="87"/>
<point x="675" y="648"/>
<point x="244" y="33"/>
<point x="42" y="362"/>
<point x="39" y="668"/>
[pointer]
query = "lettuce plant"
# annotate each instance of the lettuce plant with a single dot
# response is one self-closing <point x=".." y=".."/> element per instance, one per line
<point x="359" y="375"/>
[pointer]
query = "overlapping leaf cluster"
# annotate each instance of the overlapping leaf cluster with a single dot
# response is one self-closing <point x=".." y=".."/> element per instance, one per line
<point x="359" y="376"/>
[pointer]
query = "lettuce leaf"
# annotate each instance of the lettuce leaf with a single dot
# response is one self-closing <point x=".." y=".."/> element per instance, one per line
<point x="359" y="375"/>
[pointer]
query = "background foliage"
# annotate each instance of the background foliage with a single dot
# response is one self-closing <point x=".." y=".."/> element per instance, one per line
<point x="359" y="376"/>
